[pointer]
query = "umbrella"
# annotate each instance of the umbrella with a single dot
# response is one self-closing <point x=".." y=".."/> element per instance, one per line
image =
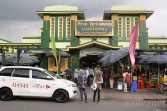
<point x="144" y="58"/>
<point x="63" y="54"/>
<point x="25" y="59"/>
<point x="114" y="56"/>
<point x="159" y="59"/>
<point x="105" y="53"/>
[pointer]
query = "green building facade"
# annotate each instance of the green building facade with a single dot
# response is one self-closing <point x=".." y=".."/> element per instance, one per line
<point x="84" y="39"/>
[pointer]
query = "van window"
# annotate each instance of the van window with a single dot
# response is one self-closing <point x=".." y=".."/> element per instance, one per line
<point x="40" y="75"/>
<point x="6" y="72"/>
<point x="21" y="73"/>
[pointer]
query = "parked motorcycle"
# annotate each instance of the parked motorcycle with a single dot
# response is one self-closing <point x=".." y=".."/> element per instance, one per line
<point x="163" y="87"/>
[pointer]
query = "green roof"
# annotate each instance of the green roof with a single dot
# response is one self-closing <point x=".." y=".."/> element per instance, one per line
<point x="61" y="8"/>
<point x="127" y="7"/>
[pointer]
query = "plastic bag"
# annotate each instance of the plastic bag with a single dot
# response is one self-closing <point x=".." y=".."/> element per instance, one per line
<point x="94" y="86"/>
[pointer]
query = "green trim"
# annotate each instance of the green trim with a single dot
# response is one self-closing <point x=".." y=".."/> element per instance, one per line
<point x="44" y="62"/>
<point x="114" y="40"/>
<point x="64" y="28"/>
<point x="124" y="27"/>
<point x="143" y="44"/>
<point x="74" y="40"/>
<point x="157" y="38"/>
<point x="56" y="28"/>
<point x="75" y="59"/>
<point x="33" y="38"/>
<point x="45" y="40"/>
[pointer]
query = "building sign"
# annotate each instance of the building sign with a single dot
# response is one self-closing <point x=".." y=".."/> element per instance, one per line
<point x="90" y="51"/>
<point x="93" y="28"/>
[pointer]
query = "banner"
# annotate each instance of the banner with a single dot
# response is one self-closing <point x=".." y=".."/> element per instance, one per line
<point x="132" y="45"/>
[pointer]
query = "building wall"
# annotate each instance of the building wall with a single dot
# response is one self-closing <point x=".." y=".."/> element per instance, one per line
<point x="32" y="40"/>
<point x="126" y="44"/>
<point x="84" y="40"/>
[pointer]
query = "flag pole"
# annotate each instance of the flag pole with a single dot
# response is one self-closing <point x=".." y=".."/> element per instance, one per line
<point x="132" y="46"/>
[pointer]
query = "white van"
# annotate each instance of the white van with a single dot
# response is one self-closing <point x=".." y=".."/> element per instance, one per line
<point x="34" y="82"/>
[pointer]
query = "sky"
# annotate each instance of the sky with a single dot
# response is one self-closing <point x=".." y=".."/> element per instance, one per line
<point x="18" y="18"/>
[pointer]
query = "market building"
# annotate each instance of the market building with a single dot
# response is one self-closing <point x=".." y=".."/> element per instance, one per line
<point x="84" y="39"/>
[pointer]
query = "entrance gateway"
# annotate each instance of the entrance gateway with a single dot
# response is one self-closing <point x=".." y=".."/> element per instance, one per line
<point x="91" y="39"/>
<point x="90" y="56"/>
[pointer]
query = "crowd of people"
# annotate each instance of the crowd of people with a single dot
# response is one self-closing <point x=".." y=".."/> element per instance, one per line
<point x="94" y="77"/>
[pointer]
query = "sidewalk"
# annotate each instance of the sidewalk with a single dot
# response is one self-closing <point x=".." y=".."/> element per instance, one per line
<point x="141" y="94"/>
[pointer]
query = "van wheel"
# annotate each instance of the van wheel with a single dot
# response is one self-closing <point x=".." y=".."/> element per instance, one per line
<point x="6" y="94"/>
<point x="61" y="96"/>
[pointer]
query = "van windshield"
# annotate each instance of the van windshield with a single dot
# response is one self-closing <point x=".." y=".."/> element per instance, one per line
<point x="53" y="74"/>
<point x="57" y="76"/>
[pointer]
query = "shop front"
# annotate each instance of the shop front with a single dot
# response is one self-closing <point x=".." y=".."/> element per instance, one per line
<point x="151" y="71"/>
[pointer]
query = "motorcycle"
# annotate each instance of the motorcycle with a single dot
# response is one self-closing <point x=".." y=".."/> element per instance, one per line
<point x="163" y="87"/>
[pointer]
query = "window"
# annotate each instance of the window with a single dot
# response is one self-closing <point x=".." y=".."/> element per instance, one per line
<point x="6" y="72"/>
<point x="40" y="75"/>
<point x="21" y="73"/>
<point x="128" y="27"/>
<point x="68" y="25"/>
<point x="52" y="26"/>
<point x="120" y="27"/>
<point x="60" y="27"/>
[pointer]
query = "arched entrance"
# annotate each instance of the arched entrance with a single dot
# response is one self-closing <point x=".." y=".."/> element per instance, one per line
<point x="89" y="60"/>
<point x="89" y="56"/>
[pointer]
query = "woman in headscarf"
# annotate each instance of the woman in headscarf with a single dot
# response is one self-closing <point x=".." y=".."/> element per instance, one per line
<point x="98" y="80"/>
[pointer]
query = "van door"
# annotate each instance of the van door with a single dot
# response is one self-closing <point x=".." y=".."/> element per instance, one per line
<point x="20" y="82"/>
<point x="41" y="84"/>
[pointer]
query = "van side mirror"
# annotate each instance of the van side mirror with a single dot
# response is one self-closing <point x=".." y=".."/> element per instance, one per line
<point x="48" y="77"/>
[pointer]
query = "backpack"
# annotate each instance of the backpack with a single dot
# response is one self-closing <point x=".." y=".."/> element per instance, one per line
<point x="127" y="78"/>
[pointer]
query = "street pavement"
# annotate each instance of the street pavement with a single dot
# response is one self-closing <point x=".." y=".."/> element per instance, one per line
<point x="140" y="94"/>
<point x="111" y="100"/>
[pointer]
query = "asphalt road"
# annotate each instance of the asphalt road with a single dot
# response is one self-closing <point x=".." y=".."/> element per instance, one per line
<point x="27" y="104"/>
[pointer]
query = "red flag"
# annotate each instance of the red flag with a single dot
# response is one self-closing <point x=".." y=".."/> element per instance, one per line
<point x="132" y="45"/>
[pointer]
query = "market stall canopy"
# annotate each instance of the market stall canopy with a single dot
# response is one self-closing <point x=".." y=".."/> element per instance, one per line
<point x="157" y="59"/>
<point x="144" y="58"/>
<point x="106" y="53"/>
<point x="24" y="59"/>
<point x="63" y="54"/>
<point x="114" y="56"/>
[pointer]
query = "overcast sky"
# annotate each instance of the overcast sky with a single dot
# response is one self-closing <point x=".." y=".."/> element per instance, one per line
<point x="18" y="18"/>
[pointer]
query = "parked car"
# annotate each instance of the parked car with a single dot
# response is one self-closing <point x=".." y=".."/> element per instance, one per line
<point x="34" y="82"/>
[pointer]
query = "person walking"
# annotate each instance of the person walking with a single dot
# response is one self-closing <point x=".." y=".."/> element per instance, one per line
<point x="98" y="80"/>
<point x="91" y="76"/>
<point x="82" y="82"/>
<point x="68" y="73"/>
<point x="126" y="80"/>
